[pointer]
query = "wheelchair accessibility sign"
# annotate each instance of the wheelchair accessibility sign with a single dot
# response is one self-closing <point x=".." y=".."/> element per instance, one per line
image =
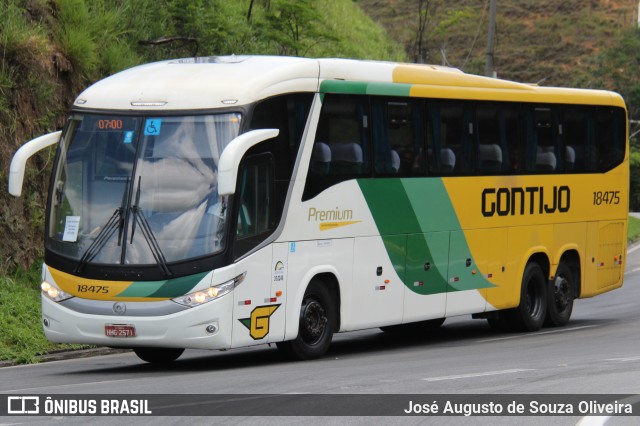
<point x="152" y="126"/>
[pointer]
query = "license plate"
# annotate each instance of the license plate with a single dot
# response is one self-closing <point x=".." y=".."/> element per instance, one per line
<point x="119" y="330"/>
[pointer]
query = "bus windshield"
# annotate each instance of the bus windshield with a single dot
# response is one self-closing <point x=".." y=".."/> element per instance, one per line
<point x="139" y="190"/>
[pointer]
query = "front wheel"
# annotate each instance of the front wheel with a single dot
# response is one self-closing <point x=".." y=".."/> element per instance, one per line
<point x="560" y="297"/>
<point x="317" y="323"/>
<point x="530" y="314"/>
<point x="158" y="355"/>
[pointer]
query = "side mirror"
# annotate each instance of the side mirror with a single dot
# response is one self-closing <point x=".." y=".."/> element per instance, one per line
<point x="19" y="161"/>
<point x="232" y="155"/>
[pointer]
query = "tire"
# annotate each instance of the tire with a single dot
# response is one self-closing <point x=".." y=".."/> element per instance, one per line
<point x="531" y="313"/>
<point x="317" y="323"/>
<point x="158" y="355"/>
<point x="560" y="297"/>
<point x="414" y="329"/>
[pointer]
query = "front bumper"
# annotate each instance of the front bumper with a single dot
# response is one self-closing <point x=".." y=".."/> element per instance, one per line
<point x="184" y="329"/>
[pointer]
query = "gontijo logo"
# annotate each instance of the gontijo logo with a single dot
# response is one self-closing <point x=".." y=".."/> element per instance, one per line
<point x="330" y="219"/>
<point x="258" y="323"/>
<point x="529" y="200"/>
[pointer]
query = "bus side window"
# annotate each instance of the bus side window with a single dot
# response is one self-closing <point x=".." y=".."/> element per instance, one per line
<point x="491" y="137"/>
<point x="610" y="138"/>
<point x="255" y="220"/>
<point x="287" y="113"/>
<point x="450" y="139"/>
<point x="340" y="150"/>
<point x="544" y="140"/>
<point x="398" y="137"/>
<point x="576" y="139"/>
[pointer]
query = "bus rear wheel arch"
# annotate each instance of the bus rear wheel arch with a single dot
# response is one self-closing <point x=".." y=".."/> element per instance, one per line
<point x="317" y="323"/>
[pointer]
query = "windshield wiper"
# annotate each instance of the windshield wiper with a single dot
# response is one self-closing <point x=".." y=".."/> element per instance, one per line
<point x="116" y="221"/>
<point x="147" y="233"/>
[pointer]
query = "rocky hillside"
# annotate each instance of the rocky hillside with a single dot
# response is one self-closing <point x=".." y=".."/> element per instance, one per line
<point x="551" y="42"/>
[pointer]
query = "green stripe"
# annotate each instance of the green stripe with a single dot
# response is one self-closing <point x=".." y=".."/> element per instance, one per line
<point x="420" y="211"/>
<point x="141" y="289"/>
<point x="167" y="289"/>
<point x="179" y="286"/>
<point x="361" y="88"/>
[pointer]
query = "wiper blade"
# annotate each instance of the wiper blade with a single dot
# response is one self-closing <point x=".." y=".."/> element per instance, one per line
<point x="140" y="219"/>
<point x="116" y="221"/>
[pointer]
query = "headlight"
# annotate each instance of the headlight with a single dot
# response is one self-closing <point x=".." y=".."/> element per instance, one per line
<point x="52" y="292"/>
<point x="215" y="291"/>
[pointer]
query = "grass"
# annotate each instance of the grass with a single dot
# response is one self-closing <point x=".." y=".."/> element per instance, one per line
<point x="633" y="230"/>
<point x="21" y="337"/>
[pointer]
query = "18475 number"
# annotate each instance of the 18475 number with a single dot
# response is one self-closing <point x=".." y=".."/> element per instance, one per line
<point x="606" y="197"/>
<point x="101" y="289"/>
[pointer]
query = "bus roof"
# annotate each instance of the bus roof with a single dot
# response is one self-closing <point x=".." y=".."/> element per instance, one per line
<point x="223" y="81"/>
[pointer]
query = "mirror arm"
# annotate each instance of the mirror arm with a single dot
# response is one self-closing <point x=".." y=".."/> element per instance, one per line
<point x="19" y="161"/>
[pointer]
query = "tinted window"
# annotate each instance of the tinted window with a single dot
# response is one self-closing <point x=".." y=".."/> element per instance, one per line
<point x="450" y="149"/>
<point x="340" y="150"/>
<point x="398" y="137"/>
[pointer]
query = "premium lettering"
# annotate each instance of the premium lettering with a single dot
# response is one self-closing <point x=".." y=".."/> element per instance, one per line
<point x="322" y="215"/>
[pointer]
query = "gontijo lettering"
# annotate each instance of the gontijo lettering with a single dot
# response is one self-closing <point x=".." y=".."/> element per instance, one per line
<point x="529" y="200"/>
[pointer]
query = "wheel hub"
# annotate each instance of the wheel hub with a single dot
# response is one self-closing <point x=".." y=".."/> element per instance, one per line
<point x="561" y="293"/>
<point x="314" y="320"/>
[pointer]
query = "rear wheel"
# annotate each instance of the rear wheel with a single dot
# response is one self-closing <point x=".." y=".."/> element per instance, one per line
<point x="158" y="355"/>
<point x="560" y="297"/>
<point x="530" y="314"/>
<point x="317" y="322"/>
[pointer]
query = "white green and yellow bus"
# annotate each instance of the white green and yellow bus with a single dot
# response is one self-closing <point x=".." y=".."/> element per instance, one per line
<point x="224" y="202"/>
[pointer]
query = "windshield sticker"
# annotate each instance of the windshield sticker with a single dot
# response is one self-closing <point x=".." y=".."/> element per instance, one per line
<point x="71" y="226"/>
<point x="152" y="126"/>
<point x="128" y="137"/>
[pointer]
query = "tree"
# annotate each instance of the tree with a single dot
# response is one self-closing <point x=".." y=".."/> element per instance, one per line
<point x="294" y="26"/>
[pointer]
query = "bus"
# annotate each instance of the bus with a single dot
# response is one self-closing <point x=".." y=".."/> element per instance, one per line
<point x="224" y="202"/>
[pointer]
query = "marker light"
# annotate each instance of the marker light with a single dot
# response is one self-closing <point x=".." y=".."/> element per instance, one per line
<point x="214" y="292"/>
<point x="51" y="291"/>
<point x="149" y="104"/>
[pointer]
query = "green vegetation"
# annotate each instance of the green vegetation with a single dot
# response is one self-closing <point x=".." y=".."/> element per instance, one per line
<point x="22" y="339"/>
<point x="633" y="230"/>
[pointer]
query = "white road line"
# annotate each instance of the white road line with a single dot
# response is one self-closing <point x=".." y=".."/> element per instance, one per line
<point x="632" y="358"/>
<point x="482" y="374"/>
<point x="593" y="421"/>
<point x="560" y="330"/>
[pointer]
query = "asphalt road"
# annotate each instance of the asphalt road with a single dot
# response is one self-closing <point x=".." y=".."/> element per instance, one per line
<point x="597" y="353"/>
